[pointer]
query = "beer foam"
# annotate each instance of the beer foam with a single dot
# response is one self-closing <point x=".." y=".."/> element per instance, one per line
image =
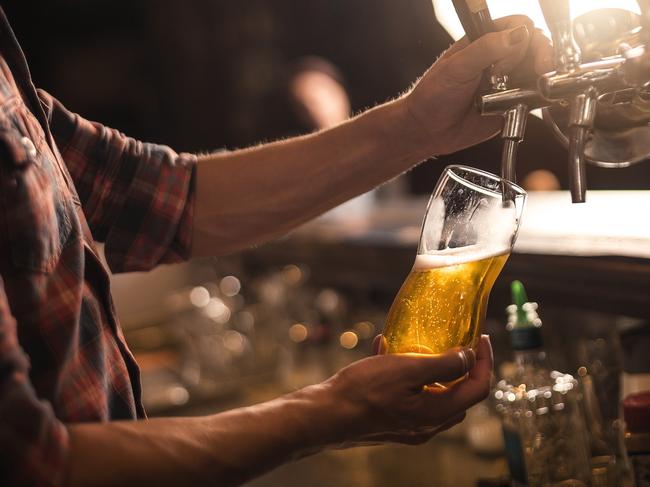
<point x="456" y="256"/>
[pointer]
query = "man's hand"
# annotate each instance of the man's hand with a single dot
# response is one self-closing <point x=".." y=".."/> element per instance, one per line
<point x="384" y="398"/>
<point x="441" y="104"/>
<point x="378" y="399"/>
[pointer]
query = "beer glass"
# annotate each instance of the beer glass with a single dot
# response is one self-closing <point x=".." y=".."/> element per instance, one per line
<point x="469" y="229"/>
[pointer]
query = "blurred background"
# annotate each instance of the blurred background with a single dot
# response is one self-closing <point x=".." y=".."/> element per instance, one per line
<point x="219" y="333"/>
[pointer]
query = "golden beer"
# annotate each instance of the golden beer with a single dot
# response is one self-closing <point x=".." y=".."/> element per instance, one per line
<point x="443" y="301"/>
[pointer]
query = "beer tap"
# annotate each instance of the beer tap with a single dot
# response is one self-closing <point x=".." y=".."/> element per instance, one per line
<point x="583" y="107"/>
<point x="477" y="21"/>
<point x="597" y="101"/>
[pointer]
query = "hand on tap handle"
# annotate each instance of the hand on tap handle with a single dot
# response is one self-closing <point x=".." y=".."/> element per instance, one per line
<point x="475" y="18"/>
<point x="466" y="20"/>
<point x="441" y="105"/>
<point x="474" y="15"/>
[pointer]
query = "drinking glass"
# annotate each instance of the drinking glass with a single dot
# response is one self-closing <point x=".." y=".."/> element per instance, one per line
<point x="469" y="229"/>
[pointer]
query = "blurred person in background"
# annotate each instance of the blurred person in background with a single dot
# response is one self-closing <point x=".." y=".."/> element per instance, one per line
<point x="317" y="93"/>
<point x="69" y="385"/>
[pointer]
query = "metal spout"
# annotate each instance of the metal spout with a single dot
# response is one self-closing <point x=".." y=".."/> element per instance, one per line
<point x="577" y="173"/>
<point x="582" y="117"/>
<point x="513" y="133"/>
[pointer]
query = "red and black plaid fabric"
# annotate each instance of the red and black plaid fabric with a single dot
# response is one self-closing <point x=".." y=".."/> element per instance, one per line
<point x="65" y="183"/>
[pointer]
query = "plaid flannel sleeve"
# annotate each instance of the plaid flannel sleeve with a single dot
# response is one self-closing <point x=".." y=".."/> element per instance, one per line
<point x="137" y="197"/>
<point x="33" y="442"/>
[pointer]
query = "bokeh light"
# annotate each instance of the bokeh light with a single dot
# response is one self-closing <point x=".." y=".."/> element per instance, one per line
<point x="217" y="310"/>
<point x="230" y="286"/>
<point x="349" y="340"/>
<point x="298" y="333"/>
<point x="365" y="329"/>
<point x="200" y="297"/>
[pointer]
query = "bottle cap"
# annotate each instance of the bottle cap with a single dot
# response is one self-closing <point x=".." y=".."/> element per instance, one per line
<point x="523" y="321"/>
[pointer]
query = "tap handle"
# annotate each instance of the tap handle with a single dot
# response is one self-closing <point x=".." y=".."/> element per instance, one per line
<point x="475" y="17"/>
<point x="581" y="123"/>
<point x="644" y="6"/>
<point x="558" y="17"/>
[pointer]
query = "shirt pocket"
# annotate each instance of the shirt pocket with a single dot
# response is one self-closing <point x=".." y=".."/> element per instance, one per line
<point x="36" y="214"/>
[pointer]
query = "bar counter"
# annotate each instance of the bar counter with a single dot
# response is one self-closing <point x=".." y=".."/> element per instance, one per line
<point x="594" y="256"/>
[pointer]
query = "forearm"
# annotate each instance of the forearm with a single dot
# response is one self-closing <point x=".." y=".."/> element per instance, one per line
<point x="250" y="196"/>
<point x="224" y="449"/>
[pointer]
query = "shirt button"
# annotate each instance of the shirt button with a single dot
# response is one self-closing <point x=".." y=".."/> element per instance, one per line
<point x="29" y="146"/>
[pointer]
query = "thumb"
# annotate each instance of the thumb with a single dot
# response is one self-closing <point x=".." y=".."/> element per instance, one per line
<point x="379" y="345"/>
<point x="505" y="48"/>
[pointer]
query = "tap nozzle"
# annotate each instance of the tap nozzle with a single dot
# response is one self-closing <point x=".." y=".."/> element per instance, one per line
<point x="582" y="116"/>
<point x="513" y="133"/>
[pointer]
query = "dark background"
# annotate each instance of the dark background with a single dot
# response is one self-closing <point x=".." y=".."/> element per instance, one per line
<point x="205" y="74"/>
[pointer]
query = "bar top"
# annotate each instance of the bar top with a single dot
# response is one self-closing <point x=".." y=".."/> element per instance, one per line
<point x="610" y="223"/>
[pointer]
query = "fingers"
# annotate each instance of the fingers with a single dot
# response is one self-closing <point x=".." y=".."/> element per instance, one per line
<point x="508" y="63"/>
<point x="505" y="23"/>
<point x="477" y="385"/>
<point x="515" y="39"/>
<point x="459" y="45"/>
<point x="422" y="370"/>
<point x="539" y="47"/>
<point x="502" y="49"/>
<point x="513" y="21"/>
<point x="379" y="345"/>
<point x="542" y="50"/>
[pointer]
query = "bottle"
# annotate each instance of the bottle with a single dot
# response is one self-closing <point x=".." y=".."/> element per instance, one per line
<point x="543" y="426"/>
<point x="636" y="411"/>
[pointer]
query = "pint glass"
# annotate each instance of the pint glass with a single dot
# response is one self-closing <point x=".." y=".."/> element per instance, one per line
<point x="469" y="229"/>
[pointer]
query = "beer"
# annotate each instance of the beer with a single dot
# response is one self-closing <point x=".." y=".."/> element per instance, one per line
<point x="442" y="303"/>
<point x="467" y="234"/>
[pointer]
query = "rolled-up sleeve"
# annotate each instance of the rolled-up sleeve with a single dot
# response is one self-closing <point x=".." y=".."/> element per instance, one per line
<point x="34" y="444"/>
<point x="137" y="197"/>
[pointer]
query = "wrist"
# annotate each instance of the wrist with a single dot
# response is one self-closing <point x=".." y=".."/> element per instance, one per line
<point x="414" y="131"/>
<point x="397" y="134"/>
<point x="323" y="419"/>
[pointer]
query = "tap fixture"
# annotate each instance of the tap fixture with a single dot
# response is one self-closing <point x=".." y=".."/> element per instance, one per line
<point x="477" y="21"/>
<point x="597" y="101"/>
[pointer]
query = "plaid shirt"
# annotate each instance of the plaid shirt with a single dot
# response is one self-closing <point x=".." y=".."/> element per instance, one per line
<point x="65" y="183"/>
